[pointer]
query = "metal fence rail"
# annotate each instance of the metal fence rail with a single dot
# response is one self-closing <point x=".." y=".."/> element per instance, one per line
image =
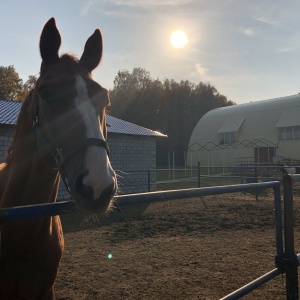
<point x="251" y="286"/>
<point x="195" y="192"/>
<point x="37" y="210"/>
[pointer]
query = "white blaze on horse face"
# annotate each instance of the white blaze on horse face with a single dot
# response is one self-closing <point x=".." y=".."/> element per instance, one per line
<point x="86" y="109"/>
<point x="100" y="173"/>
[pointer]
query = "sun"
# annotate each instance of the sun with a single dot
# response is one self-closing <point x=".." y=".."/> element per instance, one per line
<point x="178" y="39"/>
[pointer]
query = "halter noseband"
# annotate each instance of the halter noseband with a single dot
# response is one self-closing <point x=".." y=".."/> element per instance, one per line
<point x="60" y="154"/>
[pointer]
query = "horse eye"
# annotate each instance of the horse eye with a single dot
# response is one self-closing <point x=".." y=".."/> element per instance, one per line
<point x="46" y="95"/>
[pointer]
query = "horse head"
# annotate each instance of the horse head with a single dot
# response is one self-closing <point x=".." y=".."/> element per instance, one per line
<point x="70" y="119"/>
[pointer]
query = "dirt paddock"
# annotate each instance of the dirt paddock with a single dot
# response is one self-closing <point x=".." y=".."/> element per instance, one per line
<point x="196" y="248"/>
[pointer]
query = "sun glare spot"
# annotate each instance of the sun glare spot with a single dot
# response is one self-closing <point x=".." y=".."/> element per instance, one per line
<point x="178" y="39"/>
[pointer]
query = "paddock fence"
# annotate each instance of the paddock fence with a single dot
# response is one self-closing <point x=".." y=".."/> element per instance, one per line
<point x="159" y="179"/>
<point x="286" y="260"/>
<point x="148" y="180"/>
<point x="209" y="175"/>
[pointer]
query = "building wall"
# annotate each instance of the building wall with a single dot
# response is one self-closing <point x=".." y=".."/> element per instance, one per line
<point x="6" y="136"/>
<point x="288" y="149"/>
<point x="133" y="157"/>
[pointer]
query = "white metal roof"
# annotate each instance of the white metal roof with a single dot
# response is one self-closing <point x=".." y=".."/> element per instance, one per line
<point x="232" y="124"/>
<point x="9" y="111"/>
<point x="254" y="120"/>
<point x="289" y="117"/>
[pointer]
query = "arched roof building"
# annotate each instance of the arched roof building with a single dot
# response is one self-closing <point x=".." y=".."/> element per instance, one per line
<point x="257" y="132"/>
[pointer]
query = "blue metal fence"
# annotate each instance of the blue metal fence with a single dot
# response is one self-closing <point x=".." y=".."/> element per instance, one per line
<point x="37" y="210"/>
<point x="285" y="261"/>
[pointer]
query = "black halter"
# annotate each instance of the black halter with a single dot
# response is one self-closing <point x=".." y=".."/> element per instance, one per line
<point x="59" y="154"/>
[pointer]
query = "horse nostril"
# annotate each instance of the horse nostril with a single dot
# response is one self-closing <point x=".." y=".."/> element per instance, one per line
<point x="109" y="192"/>
<point x="81" y="189"/>
<point x="104" y="200"/>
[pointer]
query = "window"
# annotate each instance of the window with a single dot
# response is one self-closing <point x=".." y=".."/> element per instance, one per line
<point x="227" y="138"/>
<point x="297" y="132"/>
<point x="289" y="133"/>
<point x="281" y="133"/>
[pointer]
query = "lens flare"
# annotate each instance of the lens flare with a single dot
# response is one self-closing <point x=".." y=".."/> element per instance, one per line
<point x="109" y="256"/>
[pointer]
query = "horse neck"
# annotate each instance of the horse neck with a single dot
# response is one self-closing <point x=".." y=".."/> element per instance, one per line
<point x="27" y="178"/>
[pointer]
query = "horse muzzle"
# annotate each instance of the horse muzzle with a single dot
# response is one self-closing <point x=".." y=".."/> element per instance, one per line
<point x="85" y="197"/>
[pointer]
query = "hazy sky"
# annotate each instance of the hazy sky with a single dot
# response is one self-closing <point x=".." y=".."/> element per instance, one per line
<point x="249" y="50"/>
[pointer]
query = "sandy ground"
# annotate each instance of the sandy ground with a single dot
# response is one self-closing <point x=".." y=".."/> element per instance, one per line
<point x="197" y="248"/>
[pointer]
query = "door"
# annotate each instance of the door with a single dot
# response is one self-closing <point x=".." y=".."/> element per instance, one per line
<point x="264" y="154"/>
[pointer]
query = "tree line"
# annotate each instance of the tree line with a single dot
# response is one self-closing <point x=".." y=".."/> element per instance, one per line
<point x="12" y="86"/>
<point x="170" y="107"/>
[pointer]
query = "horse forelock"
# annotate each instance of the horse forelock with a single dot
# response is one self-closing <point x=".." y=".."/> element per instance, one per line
<point x="66" y="61"/>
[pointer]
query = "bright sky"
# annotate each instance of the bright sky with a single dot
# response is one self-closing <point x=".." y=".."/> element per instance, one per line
<point x="249" y="50"/>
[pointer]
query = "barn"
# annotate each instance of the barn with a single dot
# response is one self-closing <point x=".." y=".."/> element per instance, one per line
<point x="132" y="147"/>
<point x="256" y="132"/>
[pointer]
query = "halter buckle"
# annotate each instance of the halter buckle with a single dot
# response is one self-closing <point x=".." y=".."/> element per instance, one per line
<point x="58" y="156"/>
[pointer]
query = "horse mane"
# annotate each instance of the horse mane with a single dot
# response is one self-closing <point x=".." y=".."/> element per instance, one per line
<point x="20" y="122"/>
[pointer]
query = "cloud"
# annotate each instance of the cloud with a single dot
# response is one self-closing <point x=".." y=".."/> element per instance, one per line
<point x="112" y="6"/>
<point x="202" y="72"/>
<point x="248" y="31"/>
<point x="286" y="50"/>
<point x="267" y="21"/>
<point x="88" y="6"/>
<point x="149" y="3"/>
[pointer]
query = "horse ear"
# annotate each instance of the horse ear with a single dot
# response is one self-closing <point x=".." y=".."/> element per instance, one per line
<point x="92" y="53"/>
<point x="50" y="42"/>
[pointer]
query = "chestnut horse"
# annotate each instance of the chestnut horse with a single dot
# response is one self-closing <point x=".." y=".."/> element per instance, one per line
<point x="61" y="132"/>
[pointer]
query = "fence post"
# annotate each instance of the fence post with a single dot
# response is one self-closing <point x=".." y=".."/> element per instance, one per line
<point x="279" y="258"/>
<point x="199" y="173"/>
<point x="291" y="261"/>
<point x="255" y="174"/>
<point x="173" y="165"/>
<point x="242" y="174"/>
<point x="149" y="182"/>
<point x="256" y="181"/>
